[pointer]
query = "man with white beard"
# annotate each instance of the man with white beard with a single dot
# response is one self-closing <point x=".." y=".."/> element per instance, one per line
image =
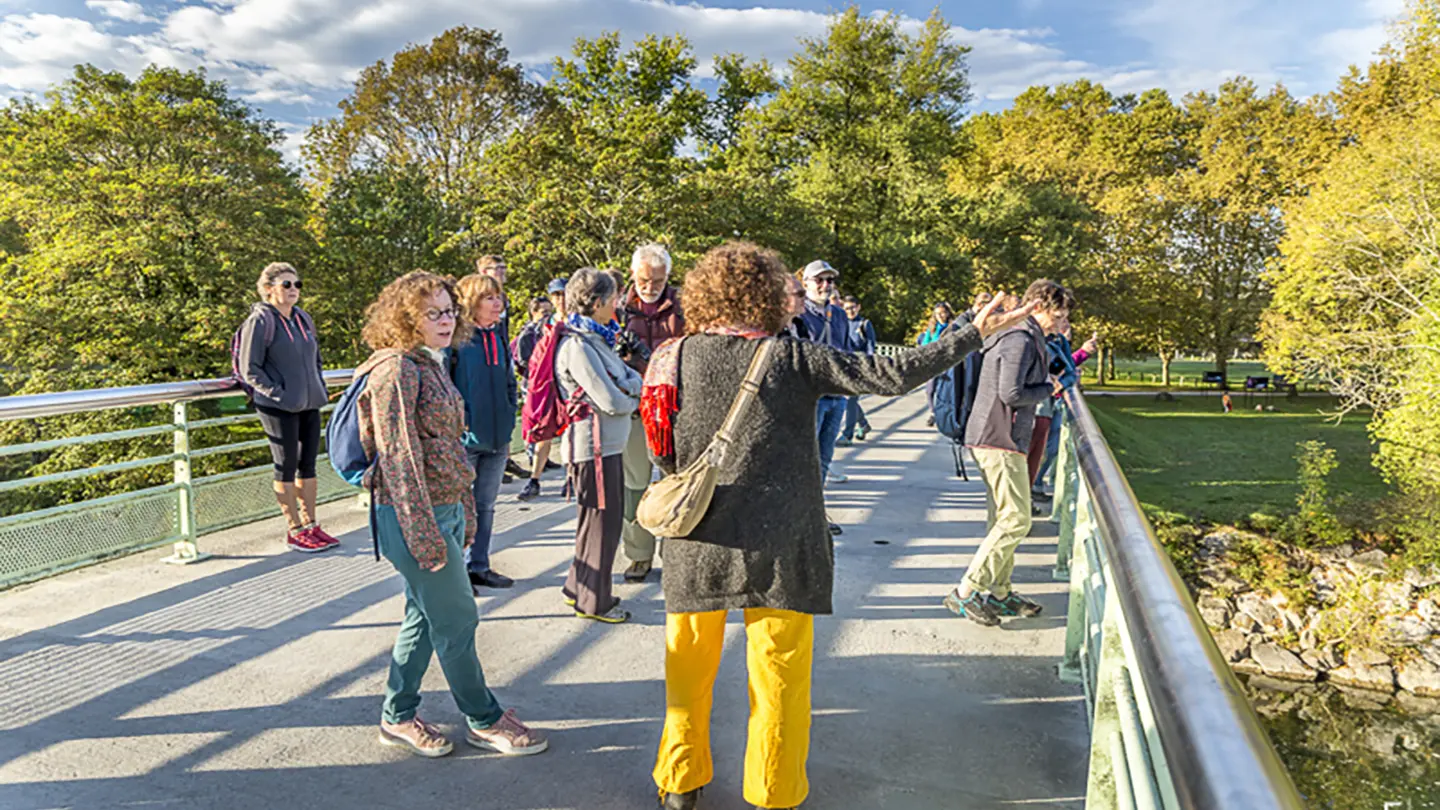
<point x="652" y="313"/>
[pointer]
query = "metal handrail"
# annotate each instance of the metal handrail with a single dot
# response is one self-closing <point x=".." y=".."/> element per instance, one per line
<point x="31" y="406"/>
<point x="1218" y="752"/>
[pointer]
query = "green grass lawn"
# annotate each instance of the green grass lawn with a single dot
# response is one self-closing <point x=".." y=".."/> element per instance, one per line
<point x="1188" y="457"/>
<point x="1183" y="373"/>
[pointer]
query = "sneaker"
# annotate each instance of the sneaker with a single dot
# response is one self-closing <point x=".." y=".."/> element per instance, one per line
<point x="550" y="465"/>
<point x="303" y="542"/>
<point x="418" y="736"/>
<point x="836" y="477"/>
<point x="615" y="615"/>
<point x="680" y="801"/>
<point x="512" y="468"/>
<point x="1013" y="605"/>
<point x="508" y="736"/>
<point x="843" y="442"/>
<point x="530" y="492"/>
<point x="835" y="530"/>
<point x="973" y="608"/>
<point x="323" y="537"/>
<point x="507" y="478"/>
<point x="861" y="432"/>
<point x="490" y="579"/>
<point x="638" y="571"/>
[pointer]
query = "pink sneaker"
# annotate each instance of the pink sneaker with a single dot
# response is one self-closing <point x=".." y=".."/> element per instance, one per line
<point x="508" y="736"/>
<point x="418" y="736"/>
<point x="303" y="542"/>
<point x="323" y="537"/>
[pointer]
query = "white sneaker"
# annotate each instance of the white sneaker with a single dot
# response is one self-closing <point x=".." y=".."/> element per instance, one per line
<point x="836" y="477"/>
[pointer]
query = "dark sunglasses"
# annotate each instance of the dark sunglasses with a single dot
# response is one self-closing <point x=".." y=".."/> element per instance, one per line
<point x="287" y="284"/>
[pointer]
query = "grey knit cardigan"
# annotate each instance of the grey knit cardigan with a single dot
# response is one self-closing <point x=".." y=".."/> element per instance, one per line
<point x="765" y="541"/>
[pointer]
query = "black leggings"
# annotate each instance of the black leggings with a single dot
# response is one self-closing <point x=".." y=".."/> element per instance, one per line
<point x="294" y="441"/>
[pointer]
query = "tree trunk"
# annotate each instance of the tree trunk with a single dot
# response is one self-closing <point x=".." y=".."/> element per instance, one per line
<point x="1165" y="359"/>
<point x="1110" y="359"/>
<point x="1222" y="359"/>
<point x="1100" y="354"/>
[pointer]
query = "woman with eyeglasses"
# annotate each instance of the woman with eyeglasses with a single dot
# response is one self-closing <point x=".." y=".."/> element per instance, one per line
<point x="412" y="419"/>
<point x="279" y="362"/>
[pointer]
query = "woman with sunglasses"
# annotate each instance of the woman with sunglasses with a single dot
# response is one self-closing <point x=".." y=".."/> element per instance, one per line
<point x="279" y="361"/>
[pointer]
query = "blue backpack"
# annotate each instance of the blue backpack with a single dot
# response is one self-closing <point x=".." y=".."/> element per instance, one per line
<point x="945" y="408"/>
<point x="347" y="453"/>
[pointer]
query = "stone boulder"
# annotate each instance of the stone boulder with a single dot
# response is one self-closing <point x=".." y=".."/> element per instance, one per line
<point x="1233" y="645"/>
<point x="1409" y="630"/>
<point x="1215" y="610"/>
<point x="1278" y="662"/>
<point x="1423" y="578"/>
<point x="1419" y="676"/>
<point x="1257" y="607"/>
<point x="1366" y="669"/>
<point x="1370" y="563"/>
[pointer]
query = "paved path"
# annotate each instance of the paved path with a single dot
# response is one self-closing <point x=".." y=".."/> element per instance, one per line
<point x="253" y="680"/>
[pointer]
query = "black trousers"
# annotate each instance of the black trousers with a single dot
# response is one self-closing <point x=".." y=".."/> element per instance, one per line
<point x="597" y="535"/>
<point x="294" y="441"/>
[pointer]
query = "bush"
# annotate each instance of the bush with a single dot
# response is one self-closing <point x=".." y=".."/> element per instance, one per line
<point x="1314" y="524"/>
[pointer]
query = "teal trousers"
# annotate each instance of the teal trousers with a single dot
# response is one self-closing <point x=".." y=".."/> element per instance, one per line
<point x="440" y="619"/>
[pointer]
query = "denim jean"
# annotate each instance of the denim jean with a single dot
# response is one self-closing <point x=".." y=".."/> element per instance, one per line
<point x="489" y="469"/>
<point x="1052" y="448"/>
<point x="829" y="415"/>
<point x="854" y="415"/>
<point x="440" y="620"/>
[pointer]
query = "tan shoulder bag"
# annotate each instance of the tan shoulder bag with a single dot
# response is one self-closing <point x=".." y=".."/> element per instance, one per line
<point x="674" y="505"/>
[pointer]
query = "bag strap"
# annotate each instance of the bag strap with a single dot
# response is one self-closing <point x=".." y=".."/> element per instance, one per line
<point x="749" y="391"/>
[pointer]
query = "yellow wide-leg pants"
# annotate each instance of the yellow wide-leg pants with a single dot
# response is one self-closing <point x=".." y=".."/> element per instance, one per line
<point x="780" y="646"/>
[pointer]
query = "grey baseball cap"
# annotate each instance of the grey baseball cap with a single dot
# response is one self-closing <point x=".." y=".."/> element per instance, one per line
<point x="819" y="268"/>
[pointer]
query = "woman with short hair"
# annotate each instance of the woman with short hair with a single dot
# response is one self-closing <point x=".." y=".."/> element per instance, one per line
<point x="411" y="422"/>
<point x="482" y="373"/>
<point x="762" y="546"/>
<point x="603" y="392"/>
<point x="279" y="361"/>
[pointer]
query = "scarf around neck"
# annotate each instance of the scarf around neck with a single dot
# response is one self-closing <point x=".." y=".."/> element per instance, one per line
<point x="584" y="323"/>
<point x="660" y="396"/>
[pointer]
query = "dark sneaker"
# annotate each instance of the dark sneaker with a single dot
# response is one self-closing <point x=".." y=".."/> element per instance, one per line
<point x="550" y="465"/>
<point x="973" y="608"/>
<point x="835" y="530"/>
<point x="507" y="478"/>
<point x="1013" y="605"/>
<point x="508" y="736"/>
<point x="490" y="579"/>
<point x="843" y="442"/>
<point x="638" y="571"/>
<point x="511" y="468"/>
<point x="861" y="432"/>
<point x="680" y="801"/>
<point x="530" y="492"/>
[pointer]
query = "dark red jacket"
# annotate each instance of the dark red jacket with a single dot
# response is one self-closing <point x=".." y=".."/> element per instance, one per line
<point x="653" y="330"/>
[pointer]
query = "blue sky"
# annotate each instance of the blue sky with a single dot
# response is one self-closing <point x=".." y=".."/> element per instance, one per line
<point x="293" y="59"/>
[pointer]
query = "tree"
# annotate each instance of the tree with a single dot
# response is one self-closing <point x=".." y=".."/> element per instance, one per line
<point x="140" y="213"/>
<point x="436" y="107"/>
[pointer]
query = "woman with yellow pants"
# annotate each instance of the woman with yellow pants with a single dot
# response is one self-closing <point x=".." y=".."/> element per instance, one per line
<point x="764" y="545"/>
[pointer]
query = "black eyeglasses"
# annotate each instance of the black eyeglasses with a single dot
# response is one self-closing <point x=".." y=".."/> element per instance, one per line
<point x="438" y="314"/>
<point x="287" y="284"/>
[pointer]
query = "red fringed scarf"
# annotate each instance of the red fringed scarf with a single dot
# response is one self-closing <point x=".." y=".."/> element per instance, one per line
<point x="660" y="396"/>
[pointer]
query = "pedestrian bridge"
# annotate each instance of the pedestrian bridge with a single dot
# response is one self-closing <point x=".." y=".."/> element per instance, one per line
<point x="252" y="678"/>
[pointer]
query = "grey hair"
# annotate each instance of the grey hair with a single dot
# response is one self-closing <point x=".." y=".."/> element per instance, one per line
<point x="587" y="288"/>
<point x="271" y="272"/>
<point x="651" y="255"/>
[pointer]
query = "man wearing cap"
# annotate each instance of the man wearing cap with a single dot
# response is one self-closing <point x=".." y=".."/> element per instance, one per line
<point x="827" y="325"/>
<point x="541" y="452"/>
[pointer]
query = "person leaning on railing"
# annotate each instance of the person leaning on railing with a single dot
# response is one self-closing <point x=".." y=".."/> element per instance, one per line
<point x="411" y="422"/>
<point x="279" y="361"/>
<point x="763" y="546"/>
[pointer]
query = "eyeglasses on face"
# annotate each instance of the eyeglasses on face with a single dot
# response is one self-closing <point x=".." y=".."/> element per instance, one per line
<point x="823" y="281"/>
<point x="287" y="284"/>
<point x="440" y="314"/>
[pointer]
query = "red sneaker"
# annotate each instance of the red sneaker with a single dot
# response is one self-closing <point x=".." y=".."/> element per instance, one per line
<point x="323" y="537"/>
<point x="303" y="542"/>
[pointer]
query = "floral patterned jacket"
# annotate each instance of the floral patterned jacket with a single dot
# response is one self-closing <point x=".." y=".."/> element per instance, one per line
<point x="411" y="421"/>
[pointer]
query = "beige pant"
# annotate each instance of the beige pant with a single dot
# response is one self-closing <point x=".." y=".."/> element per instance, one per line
<point x="639" y="544"/>
<point x="1007" y="511"/>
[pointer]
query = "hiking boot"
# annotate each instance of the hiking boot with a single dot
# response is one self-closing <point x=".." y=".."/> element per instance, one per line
<point x="1013" y="605"/>
<point x="615" y="615"/>
<point x="323" y="537"/>
<point x="680" y="801"/>
<point x="416" y="735"/>
<point x="304" y="542"/>
<point x="638" y="571"/>
<point x="972" y="607"/>
<point x="490" y="579"/>
<point x="530" y="492"/>
<point x="512" y="468"/>
<point x="508" y="736"/>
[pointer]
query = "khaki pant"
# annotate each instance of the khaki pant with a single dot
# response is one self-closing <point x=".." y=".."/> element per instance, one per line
<point x="1007" y="518"/>
<point x="780" y="646"/>
<point x="639" y="544"/>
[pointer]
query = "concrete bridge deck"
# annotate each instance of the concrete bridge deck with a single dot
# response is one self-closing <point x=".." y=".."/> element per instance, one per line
<point x="253" y="680"/>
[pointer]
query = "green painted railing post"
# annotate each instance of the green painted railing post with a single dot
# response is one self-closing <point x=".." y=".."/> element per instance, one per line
<point x="185" y="549"/>
<point x="1067" y="477"/>
<point x="1110" y="778"/>
<point x="1077" y="623"/>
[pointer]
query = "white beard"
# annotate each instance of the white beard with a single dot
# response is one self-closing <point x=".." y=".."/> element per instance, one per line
<point x="650" y="299"/>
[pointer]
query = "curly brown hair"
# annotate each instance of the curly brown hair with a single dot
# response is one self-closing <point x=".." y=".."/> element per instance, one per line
<point x="393" y="321"/>
<point x="737" y="284"/>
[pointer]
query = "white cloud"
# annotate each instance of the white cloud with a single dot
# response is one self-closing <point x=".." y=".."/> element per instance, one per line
<point x="122" y="10"/>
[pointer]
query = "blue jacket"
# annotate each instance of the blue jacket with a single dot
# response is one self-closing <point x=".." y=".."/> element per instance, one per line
<point x="862" y="336"/>
<point x="815" y="317"/>
<point x="483" y="374"/>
